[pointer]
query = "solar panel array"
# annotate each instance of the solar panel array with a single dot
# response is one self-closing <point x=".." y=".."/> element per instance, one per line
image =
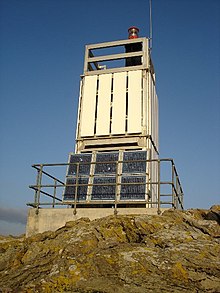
<point x="106" y="168"/>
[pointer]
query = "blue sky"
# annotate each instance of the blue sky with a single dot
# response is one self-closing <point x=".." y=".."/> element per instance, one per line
<point x="41" y="59"/>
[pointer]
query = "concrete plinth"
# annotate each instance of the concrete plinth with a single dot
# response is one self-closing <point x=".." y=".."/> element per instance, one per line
<point x="53" y="219"/>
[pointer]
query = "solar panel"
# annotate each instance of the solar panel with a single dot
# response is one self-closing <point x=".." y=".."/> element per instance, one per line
<point x="103" y="192"/>
<point x="69" y="192"/>
<point x="84" y="169"/>
<point x="133" y="191"/>
<point x="106" y="168"/>
<point x="134" y="167"/>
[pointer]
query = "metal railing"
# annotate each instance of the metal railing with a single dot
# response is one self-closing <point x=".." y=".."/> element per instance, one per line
<point x="96" y="61"/>
<point x="49" y="189"/>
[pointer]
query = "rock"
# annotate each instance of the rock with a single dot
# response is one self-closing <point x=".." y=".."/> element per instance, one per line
<point x="173" y="252"/>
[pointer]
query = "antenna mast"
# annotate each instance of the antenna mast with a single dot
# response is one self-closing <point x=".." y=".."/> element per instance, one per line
<point x="150" y="11"/>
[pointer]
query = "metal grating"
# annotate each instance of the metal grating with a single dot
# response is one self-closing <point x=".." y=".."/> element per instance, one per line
<point x="69" y="193"/>
<point x="133" y="191"/>
<point x="134" y="167"/>
<point x="106" y="168"/>
<point x="103" y="192"/>
<point x="84" y="169"/>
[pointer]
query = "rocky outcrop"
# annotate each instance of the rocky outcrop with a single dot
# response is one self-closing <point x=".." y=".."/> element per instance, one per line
<point x="174" y="252"/>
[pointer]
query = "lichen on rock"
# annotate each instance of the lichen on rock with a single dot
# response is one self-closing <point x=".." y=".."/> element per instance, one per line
<point x="173" y="252"/>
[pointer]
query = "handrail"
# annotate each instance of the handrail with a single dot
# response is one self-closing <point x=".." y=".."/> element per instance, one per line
<point x="45" y="193"/>
<point x="58" y="185"/>
<point x="35" y="166"/>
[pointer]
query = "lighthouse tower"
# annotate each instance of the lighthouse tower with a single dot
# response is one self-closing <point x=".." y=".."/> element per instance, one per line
<point x="115" y="168"/>
<point x="117" y="127"/>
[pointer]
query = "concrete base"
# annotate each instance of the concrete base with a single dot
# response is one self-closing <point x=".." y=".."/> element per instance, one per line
<point x="53" y="219"/>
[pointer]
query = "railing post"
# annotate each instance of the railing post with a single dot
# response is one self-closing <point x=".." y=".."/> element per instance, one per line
<point x="173" y="189"/>
<point x="36" y="190"/>
<point x="76" y="188"/>
<point x="158" y="186"/>
<point x="177" y="190"/>
<point x="181" y="200"/>
<point x="116" y="189"/>
<point x="39" y="188"/>
<point x="54" y="192"/>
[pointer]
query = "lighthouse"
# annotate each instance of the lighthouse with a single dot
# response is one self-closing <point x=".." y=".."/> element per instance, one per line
<point x="117" y="126"/>
<point x="115" y="168"/>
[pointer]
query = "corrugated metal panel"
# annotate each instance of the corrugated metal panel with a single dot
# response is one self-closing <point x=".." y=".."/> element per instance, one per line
<point x="104" y="103"/>
<point x="119" y="103"/>
<point x="134" y="101"/>
<point x="88" y="106"/>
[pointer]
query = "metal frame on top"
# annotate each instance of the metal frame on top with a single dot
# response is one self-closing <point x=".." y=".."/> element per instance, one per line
<point x="90" y="58"/>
